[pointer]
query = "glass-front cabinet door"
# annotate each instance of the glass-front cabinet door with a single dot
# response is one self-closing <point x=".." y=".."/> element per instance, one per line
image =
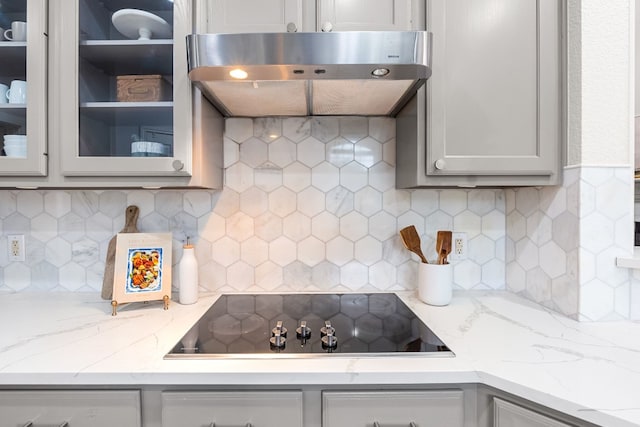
<point x="23" y="65"/>
<point x="125" y="95"/>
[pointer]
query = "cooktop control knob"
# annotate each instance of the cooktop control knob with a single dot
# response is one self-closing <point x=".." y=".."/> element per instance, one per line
<point x="329" y="341"/>
<point x="303" y="332"/>
<point x="279" y="328"/>
<point x="277" y="341"/>
<point x="327" y="329"/>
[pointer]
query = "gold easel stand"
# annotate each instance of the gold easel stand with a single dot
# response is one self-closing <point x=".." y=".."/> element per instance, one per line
<point x="114" y="304"/>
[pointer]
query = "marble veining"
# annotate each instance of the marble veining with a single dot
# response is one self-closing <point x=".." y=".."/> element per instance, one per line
<point x="588" y="370"/>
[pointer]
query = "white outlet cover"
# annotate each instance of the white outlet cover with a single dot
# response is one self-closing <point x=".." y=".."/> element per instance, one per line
<point x="462" y="238"/>
<point x="17" y="240"/>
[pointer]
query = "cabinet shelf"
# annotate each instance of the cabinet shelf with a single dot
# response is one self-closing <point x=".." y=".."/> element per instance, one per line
<point x="129" y="113"/>
<point x="13" y="114"/>
<point x="129" y="56"/>
<point x="14" y="59"/>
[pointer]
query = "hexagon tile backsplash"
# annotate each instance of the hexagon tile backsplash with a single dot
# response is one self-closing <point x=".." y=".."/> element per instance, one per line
<point x="562" y="244"/>
<point x="309" y="204"/>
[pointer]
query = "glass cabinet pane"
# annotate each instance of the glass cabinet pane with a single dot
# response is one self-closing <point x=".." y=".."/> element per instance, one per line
<point x="23" y="63"/>
<point x="13" y="78"/>
<point x="125" y="78"/>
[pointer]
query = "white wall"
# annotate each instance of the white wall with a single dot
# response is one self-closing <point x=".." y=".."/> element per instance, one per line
<point x="601" y="100"/>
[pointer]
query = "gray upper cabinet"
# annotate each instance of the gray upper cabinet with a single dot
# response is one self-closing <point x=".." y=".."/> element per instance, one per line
<point x="255" y="16"/>
<point x="494" y="103"/>
<point x="121" y="110"/>
<point x="369" y="15"/>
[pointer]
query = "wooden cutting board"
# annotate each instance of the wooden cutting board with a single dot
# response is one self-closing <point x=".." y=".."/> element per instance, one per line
<point x="130" y="226"/>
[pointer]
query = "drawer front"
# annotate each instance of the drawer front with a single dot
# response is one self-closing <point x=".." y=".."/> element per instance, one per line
<point x="232" y="409"/>
<point x="393" y="408"/>
<point x="507" y="414"/>
<point x="86" y="408"/>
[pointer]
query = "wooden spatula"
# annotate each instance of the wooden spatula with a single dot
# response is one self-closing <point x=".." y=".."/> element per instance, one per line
<point x="443" y="246"/>
<point x="411" y="241"/>
<point x="130" y="226"/>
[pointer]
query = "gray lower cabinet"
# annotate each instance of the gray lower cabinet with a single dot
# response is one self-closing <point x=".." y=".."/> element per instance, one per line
<point x="81" y="408"/>
<point x="419" y="408"/>
<point x="232" y="409"/>
<point x="507" y="414"/>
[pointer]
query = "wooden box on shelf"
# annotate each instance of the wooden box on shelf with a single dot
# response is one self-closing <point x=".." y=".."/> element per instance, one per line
<point x="142" y="88"/>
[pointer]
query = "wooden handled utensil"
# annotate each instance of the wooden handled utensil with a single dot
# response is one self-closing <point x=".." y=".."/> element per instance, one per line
<point x="130" y="226"/>
<point x="443" y="246"/>
<point x="411" y="241"/>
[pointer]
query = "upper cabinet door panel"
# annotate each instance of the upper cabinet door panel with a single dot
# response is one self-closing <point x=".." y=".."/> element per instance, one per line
<point x="124" y="96"/>
<point x="494" y="103"/>
<point x="254" y="16"/>
<point x="24" y="65"/>
<point x="369" y="15"/>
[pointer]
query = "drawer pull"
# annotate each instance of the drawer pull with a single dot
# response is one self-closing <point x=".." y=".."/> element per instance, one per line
<point x="31" y="424"/>
<point x="214" y="425"/>
<point x="411" y="424"/>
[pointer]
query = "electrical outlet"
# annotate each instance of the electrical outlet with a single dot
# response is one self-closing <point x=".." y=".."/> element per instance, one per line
<point x="15" y="246"/>
<point x="459" y="246"/>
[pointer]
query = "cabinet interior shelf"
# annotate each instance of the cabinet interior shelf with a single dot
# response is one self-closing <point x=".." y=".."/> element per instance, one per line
<point x="129" y="113"/>
<point x="129" y="56"/>
<point x="14" y="59"/>
<point x="14" y="114"/>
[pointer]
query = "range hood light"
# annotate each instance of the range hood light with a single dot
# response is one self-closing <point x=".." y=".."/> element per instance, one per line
<point x="238" y="73"/>
<point x="380" y="72"/>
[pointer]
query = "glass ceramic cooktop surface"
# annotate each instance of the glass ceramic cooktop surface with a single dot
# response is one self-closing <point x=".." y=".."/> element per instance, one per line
<point x="302" y="325"/>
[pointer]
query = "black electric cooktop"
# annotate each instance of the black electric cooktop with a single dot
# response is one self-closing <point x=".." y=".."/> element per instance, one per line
<point x="303" y="325"/>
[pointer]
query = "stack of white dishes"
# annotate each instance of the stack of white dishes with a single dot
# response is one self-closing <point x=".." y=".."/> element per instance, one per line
<point x="15" y="145"/>
<point x="149" y="149"/>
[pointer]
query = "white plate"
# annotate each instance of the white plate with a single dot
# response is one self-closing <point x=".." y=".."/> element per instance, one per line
<point x="141" y="25"/>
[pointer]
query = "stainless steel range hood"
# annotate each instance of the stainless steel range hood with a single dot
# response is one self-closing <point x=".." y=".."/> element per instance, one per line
<point x="302" y="74"/>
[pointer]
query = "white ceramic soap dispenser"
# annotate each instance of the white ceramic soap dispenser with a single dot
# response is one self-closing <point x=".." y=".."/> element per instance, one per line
<point x="188" y="271"/>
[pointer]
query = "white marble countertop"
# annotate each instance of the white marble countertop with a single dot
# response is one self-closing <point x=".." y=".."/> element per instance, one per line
<point x="588" y="370"/>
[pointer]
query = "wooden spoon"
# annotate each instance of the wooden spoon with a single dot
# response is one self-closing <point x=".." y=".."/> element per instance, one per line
<point x="443" y="246"/>
<point x="130" y="226"/>
<point x="411" y="241"/>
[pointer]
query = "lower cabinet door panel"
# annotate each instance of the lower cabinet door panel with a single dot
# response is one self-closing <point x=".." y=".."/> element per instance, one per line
<point x="393" y="408"/>
<point x="85" y="408"/>
<point x="507" y="414"/>
<point x="232" y="409"/>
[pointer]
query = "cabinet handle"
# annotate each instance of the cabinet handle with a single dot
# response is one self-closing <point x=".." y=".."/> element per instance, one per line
<point x="292" y="28"/>
<point x="31" y="424"/>
<point x="246" y="425"/>
<point x="327" y="27"/>
<point x="440" y="164"/>
<point x="411" y="424"/>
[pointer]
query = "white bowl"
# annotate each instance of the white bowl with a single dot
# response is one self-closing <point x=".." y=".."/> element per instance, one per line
<point x="148" y="149"/>
<point x="15" y="137"/>
<point x="15" y="151"/>
<point x="17" y="143"/>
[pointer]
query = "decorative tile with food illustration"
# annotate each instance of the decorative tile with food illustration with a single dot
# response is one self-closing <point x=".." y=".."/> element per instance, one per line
<point x="142" y="267"/>
<point x="144" y="270"/>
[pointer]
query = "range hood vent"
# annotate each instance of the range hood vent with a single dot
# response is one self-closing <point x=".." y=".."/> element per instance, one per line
<point x="366" y="73"/>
